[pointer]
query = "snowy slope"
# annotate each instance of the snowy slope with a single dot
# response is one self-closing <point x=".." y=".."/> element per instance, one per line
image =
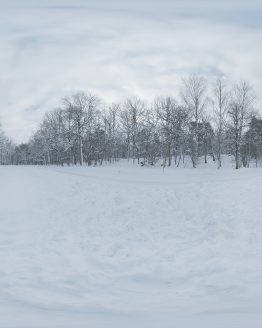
<point x="126" y="246"/>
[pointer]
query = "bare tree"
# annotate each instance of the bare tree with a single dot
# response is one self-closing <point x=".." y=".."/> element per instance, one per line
<point x="239" y="115"/>
<point x="172" y="119"/>
<point x="165" y="110"/>
<point x="132" y="120"/>
<point x="221" y="97"/>
<point x="193" y="95"/>
<point x="81" y="111"/>
<point x="6" y="149"/>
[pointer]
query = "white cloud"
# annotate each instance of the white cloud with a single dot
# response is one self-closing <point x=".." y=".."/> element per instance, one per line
<point x="115" y="51"/>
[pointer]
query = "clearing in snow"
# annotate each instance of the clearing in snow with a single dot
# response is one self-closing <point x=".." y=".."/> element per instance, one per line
<point x="129" y="246"/>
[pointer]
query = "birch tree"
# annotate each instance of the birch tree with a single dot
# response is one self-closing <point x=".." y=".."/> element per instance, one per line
<point x="239" y="115"/>
<point x="193" y="94"/>
<point x="221" y="97"/>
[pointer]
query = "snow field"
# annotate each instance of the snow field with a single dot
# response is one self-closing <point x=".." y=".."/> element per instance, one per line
<point x="124" y="245"/>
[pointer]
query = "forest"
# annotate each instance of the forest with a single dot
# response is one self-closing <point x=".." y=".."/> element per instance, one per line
<point x="203" y="123"/>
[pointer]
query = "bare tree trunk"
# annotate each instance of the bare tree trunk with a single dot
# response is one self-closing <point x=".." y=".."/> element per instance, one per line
<point x="81" y="151"/>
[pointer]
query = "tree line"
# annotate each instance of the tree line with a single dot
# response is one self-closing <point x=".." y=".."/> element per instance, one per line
<point x="200" y="124"/>
<point x="7" y="149"/>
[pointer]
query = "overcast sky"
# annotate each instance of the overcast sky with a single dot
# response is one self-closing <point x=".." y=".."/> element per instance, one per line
<point x="50" y="48"/>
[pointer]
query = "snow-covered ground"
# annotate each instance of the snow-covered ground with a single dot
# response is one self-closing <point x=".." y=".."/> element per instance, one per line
<point x="129" y="246"/>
